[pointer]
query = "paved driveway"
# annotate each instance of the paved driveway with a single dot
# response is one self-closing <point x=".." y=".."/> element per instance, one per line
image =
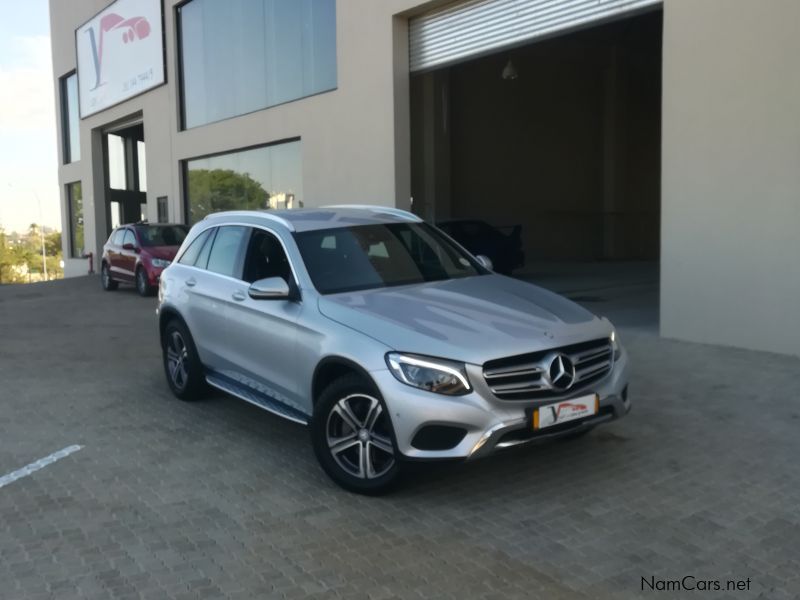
<point x="220" y="500"/>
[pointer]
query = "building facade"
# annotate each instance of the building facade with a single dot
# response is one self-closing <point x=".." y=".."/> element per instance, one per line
<point x="661" y="131"/>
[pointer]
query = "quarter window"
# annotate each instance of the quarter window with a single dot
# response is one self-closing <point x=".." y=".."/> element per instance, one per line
<point x="224" y="257"/>
<point x="193" y="251"/>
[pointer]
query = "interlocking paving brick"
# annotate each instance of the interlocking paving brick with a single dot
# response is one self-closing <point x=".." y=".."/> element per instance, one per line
<point x="217" y="499"/>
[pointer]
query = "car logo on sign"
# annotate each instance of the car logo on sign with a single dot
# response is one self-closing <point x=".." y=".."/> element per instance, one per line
<point x="561" y="372"/>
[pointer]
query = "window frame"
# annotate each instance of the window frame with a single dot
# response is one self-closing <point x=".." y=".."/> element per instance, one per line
<point x="66" y="143"/>
<point x="181" y="95"/>
<point x="184" y="166"/>
<point x="73" y="251"/>
<point x="251" y="226"/>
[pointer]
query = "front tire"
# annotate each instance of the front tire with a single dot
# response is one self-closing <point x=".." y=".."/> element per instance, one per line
<point x="109" y="284"/>
<point x="182" y="365"/>
<point x="142" y="285"/>
<point x="353" y="437"/>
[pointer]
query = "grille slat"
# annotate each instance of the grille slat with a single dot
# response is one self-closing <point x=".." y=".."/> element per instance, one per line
<point x="522" y="377"/>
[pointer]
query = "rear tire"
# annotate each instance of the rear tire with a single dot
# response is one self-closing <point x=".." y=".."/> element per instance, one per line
<point x="142" y="285"/>
<point x="109" y="284"/>
<point x="353" y="437"/>
<point x="182" y="366"/>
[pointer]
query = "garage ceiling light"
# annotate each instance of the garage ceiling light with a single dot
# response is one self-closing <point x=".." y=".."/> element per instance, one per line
<point x="510" y="71"/>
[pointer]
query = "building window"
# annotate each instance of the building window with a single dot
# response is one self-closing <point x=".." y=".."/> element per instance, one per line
<point x="70" y="119"/>
<point x="259" y="178"/>
<point x="163" y="209"/>
<point x="75" y="204"/>
<point x="240" y="56"/>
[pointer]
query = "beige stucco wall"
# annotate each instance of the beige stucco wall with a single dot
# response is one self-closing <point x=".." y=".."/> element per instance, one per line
<point x="354" y="139"/>
<point x="730" y="270"/>
<point x="730" y="151"/>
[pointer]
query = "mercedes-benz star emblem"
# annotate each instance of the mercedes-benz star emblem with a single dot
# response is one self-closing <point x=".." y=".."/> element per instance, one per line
<point x="561" y="372"/>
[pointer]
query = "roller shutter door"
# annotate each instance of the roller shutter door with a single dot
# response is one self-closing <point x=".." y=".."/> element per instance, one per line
<point x="469" y="28"/>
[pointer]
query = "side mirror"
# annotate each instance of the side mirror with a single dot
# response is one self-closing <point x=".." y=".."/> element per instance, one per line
<point x="129" y="246"/>
<point x="271" y="288"/>
<point x="485" y="262"/>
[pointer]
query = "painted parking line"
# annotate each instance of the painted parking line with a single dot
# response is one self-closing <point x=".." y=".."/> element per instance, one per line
<point x="39" y="464"/>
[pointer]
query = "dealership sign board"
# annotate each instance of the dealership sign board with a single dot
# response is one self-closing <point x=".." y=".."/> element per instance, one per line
<point x="120" y="54"/>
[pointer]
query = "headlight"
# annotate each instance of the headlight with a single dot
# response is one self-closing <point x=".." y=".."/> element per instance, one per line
<point x="432" y="374"/>
<point x="615" y="344"/>
<point x="161" y="263"/>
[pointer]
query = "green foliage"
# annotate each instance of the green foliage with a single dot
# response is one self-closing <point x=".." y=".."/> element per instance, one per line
<point x="21" y="256"/>
<point x="214" y="190"/>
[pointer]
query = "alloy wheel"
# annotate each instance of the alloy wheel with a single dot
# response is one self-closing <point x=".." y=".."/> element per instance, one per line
<point x="177" y="357"/>
<point x="358" y="437"/>
<point x="106" y="277"/>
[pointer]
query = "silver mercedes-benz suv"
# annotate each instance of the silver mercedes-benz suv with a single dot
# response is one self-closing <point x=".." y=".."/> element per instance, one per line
<point x="384" y="336"/>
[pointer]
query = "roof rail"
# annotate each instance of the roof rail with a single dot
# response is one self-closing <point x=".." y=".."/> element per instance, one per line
<point x="252" y="213"/>
<point x="387" y="210"/>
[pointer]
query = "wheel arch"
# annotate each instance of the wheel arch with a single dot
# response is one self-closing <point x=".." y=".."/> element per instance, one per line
<point x="331" y="368"/>
<point x="165" y="315"/>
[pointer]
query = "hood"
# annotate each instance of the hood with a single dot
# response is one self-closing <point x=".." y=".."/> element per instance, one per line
<point x="473" y="319"/>
<point x="163" y="252"/>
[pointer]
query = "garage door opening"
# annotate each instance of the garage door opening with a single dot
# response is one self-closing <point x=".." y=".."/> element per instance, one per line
<point x="557" y="143"/>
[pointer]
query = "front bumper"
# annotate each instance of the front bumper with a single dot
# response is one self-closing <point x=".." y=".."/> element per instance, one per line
<point x="491" y="424"/>
<point x="154" y="275"/>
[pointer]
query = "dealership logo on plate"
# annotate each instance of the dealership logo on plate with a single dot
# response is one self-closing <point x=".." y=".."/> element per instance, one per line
<point x="135" y="28"/>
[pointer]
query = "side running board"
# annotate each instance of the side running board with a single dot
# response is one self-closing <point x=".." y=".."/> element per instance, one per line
<point x="243" y="392"/>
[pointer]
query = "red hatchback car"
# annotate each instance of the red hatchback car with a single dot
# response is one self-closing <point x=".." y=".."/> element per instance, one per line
<point x="137" y="253"/>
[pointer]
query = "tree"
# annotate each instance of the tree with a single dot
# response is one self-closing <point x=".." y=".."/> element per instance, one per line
<point x="52" y="244"/>
<point x="213" y="190"/>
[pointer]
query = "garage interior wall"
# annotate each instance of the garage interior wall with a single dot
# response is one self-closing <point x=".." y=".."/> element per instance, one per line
<point x="570" y="149"/>
<point x="730" y="271"/>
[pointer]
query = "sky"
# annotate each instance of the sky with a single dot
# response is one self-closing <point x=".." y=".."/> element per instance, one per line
<point x="28" y="156"/>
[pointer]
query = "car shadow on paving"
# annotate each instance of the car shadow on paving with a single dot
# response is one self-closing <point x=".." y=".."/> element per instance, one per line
<point x="218" y="499"/>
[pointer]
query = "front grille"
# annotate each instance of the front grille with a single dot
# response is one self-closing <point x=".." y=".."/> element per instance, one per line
<point x="522" y="377"/>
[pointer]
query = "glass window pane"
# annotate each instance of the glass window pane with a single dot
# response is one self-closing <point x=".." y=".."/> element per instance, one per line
<point x="269" y="51"/>
<point x="75" y="199"/>
<point x="261" y="178"/>
<point x="116" y="219"/>
<point x="225" y="250"/>
<point x="193" y="251"/>
<point x="141" y="165"/>
<point x="71" y="118"/>
<point x="265" y="258"/>
<point x="158" y="235"/>
<point x="117" y="179"/>
<point x="163" y="209"/>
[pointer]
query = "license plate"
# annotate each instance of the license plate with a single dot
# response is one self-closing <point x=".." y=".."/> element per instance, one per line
<point x="565" y="411"/>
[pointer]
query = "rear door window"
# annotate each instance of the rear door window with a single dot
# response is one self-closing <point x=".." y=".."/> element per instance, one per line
<point x="226" y="252"/>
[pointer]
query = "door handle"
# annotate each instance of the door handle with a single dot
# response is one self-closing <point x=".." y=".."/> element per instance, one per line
<point x="238" y="296"/>
<point x="191" y="282"/>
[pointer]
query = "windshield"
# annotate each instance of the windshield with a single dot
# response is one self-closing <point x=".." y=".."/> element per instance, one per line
<point x="162" y="235"/>
<point x="374" y="256"/>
